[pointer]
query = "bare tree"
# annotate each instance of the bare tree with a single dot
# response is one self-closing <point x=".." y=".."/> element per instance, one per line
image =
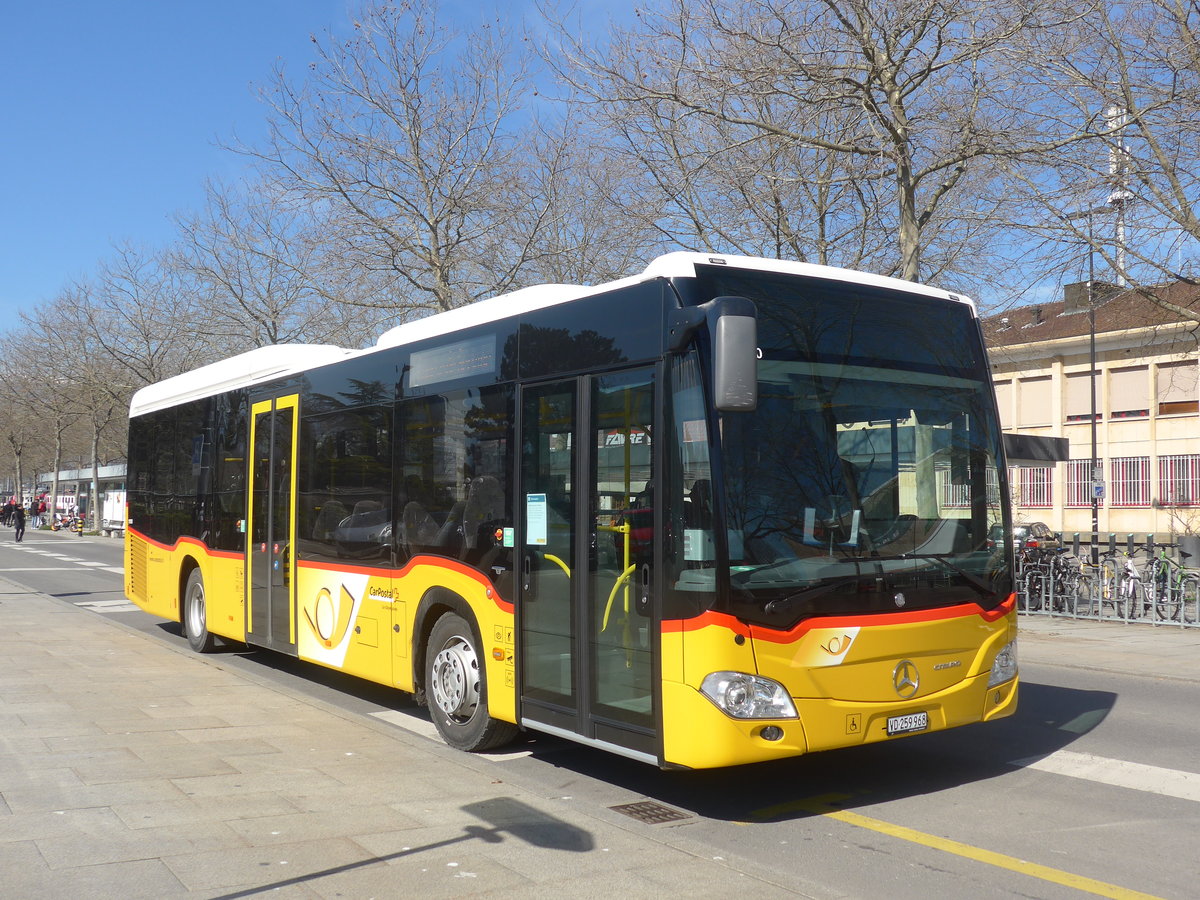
<point x="850" y="130"/>
<point x="411" y="136"/>
<point x="38" y="392"/>
<point x="88" y="387"/>
<point x="1130" y="75"/>
<point x="140" y="314"/>
<point x="265" y="272"/>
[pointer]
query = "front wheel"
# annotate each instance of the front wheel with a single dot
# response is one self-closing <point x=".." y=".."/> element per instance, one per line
<point x="1133" y="598"/>
<point x="456" y="688"/>
<point x="194" y="624"/>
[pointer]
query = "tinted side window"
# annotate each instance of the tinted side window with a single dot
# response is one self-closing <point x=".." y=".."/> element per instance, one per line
<point x="595" y="332"/>
<point x="229" y="435"/>
<point x="167" y="461"/>
<point x="453" y="478"/>
<point x="344" y="504"/>
<point x="140" y="478"/>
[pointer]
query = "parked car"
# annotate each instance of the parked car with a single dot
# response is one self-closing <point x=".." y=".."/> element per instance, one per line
<point x="1027" y="536"/>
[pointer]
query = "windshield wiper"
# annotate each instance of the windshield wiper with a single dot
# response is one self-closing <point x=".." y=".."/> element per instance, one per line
<point x="984" y="587"/>
<point x="808" y="593"/>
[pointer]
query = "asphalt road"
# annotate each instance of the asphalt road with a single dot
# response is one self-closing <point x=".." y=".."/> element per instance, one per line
<point x="1092" y="788"/>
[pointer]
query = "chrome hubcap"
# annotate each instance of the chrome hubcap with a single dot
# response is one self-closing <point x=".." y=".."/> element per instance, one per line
<point x="456" y="680"/>
<point x="196" y="609"/>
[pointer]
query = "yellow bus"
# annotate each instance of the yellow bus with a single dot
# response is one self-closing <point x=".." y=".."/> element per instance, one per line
<point x="724" y="511"/>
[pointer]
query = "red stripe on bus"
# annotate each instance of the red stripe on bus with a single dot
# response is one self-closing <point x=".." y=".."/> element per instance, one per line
<point x="438" y="562"/>
<point x="774" y="635"/>
<point x="221" y="554"/>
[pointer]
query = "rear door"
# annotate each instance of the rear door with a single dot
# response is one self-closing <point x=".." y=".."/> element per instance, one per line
<point x="271" y="524"/>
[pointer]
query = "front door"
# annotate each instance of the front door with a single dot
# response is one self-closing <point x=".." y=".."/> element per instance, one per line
<point x="587" y="547"/>
<point x="271" y="526"/>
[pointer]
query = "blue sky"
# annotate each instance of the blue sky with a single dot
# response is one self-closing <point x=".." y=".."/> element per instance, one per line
<point x="112" y="116"/>
<point x="113" y="113"/>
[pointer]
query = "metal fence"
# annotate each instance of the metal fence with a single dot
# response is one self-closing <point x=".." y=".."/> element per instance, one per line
<point x="1058" y="584"/>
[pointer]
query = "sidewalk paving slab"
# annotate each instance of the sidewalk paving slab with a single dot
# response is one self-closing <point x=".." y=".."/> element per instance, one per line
<point x="1155" y="651"/>
<point x="133" y="769"/>
<point x="130" y="768"/>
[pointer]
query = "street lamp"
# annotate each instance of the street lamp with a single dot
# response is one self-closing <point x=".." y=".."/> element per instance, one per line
<point x="1097" y="472"/>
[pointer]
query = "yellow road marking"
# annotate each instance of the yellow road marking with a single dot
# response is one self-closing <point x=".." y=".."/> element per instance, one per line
<point x="822" y="806"/>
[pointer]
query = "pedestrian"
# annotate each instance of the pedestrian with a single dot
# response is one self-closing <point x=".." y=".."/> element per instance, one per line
<point x="19" y="521"/>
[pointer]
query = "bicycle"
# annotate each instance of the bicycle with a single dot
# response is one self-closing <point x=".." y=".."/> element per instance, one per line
<point x="1130" y="589"/>
<point x="1171" y="584"/>
<point x="1096" y="582"/>
<point x="1050" y="579"/>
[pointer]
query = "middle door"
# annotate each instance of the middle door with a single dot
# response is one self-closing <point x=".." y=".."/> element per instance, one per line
<point x="587" y="542"/>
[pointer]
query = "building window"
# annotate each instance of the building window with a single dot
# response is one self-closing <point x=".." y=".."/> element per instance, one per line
<point x="1179" y="480"/>
<point x="1004" y="398"/>
<point x="1033" y="402"/>
<point x="1176" y="387"/>
<point x="1130" y="481"/>
<point x="1079" y="483"/>
<point x="1078" y="406"/>
<point x="1128" y="393"/>
<point x="1036" y="487"/>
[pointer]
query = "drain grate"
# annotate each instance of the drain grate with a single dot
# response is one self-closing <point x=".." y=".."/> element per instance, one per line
<point x="650" y="812"/>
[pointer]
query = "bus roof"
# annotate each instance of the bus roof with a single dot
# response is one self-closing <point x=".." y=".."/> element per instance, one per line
<point x="265" y="363"/>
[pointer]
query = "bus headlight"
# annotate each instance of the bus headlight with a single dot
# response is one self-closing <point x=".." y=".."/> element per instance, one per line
<point x="1004" y="667"/>
<point x="745" y="696"/>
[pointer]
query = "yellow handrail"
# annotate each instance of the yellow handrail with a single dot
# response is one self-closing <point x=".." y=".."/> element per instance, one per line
<point x="613" y="596"/>
<point x="562" y="565"/>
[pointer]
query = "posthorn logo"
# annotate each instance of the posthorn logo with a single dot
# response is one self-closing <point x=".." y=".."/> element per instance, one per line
<point x="906" y="679"/>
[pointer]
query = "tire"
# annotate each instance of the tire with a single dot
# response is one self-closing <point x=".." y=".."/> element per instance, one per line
<point x="1133" y="596"/>
<point x="1087" y="601"/>
<point x="195" y="628"/>
<point x="456" y="688"/>
<point x="1166" y="600"/>
<point x="1189" y="599"/>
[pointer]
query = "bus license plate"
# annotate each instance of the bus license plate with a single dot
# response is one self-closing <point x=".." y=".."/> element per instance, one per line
<point x="906" y="724"/>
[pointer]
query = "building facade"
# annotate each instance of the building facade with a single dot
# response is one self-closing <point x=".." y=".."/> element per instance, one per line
<point x="1147" y="418"/>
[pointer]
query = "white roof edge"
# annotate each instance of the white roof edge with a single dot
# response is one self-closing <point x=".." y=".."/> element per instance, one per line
<point x="683" y="264"/>
<point x="680" y="264"/>
<point x="243" y="370"/>
<point x="265" y="363"/>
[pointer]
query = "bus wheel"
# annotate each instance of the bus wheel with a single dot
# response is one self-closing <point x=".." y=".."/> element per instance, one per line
<point x="456" y="688"/>
<point x="194" y="625"/>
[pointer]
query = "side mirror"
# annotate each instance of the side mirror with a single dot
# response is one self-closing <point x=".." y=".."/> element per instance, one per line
<point x="734" y="324"/>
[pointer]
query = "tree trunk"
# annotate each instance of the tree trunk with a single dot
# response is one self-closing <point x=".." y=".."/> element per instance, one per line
<point x="95" y="500"/>
<point x="57" y="469"/>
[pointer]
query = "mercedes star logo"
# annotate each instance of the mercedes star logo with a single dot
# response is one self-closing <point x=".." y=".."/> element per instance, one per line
<point x="906" y="679"/>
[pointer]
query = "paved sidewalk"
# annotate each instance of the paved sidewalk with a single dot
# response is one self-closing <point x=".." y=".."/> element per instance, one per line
<point x="1157" y="651"/>
<point x="129" y="769"/>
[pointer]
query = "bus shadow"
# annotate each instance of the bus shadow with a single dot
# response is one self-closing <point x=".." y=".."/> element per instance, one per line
<point x="1049" y="718"/>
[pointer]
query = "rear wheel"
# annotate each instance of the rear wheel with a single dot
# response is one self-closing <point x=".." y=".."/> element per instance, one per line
<point x="456" y="688"/>
<point x="1189" y="601"/>
<point x="1086" y="597"/>
<point x="195" y="627"/>
<point x="1166" y="599"/>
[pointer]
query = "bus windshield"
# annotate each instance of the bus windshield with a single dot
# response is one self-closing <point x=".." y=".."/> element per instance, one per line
<point x="866" y="480"/>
